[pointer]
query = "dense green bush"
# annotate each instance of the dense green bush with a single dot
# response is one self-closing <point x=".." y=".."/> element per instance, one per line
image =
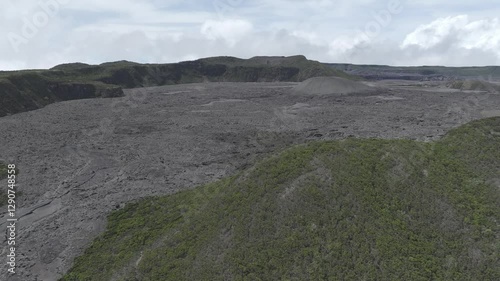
<point x="347" y="210"/>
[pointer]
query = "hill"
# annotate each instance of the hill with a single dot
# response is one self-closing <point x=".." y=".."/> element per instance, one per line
<point x="32" y="89"/>
<point x="357" y="209"/>
<point x="332" y="86"/>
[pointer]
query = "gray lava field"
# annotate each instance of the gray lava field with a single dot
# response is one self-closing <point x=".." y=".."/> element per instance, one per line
<point x="79" y="160"/>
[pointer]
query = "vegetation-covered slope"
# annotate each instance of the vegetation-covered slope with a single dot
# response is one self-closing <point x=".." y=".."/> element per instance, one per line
<point x="216" y="69"/>
<point x="29" y="91"/>
<point x="345" y="210"/>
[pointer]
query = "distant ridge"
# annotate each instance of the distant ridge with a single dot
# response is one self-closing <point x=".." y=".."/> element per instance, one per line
<point x="28" y="90"/>
<point x="215" y="69"/>
<point x="420" y="73"/>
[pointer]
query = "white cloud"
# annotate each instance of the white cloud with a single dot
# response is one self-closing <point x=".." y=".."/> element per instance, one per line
<point x="96" y="31"/>
<point x="457" y="35"/>
<point x="231" y="30"/>
<point x="481" y="34"/>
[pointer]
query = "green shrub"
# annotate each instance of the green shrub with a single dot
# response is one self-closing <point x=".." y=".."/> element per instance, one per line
<point x="357" y="209"/>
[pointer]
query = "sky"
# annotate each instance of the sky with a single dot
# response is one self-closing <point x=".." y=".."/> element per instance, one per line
<point x="45" y="33"/>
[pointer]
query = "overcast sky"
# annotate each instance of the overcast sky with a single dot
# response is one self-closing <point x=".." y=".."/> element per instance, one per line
<point x="44" y="33"/>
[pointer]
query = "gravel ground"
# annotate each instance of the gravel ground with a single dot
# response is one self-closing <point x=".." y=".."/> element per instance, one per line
<point x="79" y="160"/>
<point x="333" y="86"/>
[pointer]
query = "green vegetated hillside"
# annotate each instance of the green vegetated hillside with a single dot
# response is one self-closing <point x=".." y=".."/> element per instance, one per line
<point x="21" y="91"/>
<point x="27" y="90"/>
<point x="216" y="69"/>
<point x="356" y="209"/>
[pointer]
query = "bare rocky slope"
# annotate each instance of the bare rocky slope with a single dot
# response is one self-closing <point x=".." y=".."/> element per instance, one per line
<point x="333" y="86"/>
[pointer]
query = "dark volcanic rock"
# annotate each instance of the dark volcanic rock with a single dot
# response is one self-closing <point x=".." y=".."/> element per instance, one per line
<point x="80" y="159"/>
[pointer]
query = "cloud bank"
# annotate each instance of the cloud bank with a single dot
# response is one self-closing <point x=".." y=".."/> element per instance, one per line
<point x="43" y="34"/>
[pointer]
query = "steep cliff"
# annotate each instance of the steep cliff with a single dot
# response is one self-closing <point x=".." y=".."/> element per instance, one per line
<point x="28" y="90"/>
<point x="24" y="92"/>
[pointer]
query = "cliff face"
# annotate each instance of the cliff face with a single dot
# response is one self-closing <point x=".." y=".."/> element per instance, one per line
<point x="218" y="69"/>
<point x="29" y="90"/>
